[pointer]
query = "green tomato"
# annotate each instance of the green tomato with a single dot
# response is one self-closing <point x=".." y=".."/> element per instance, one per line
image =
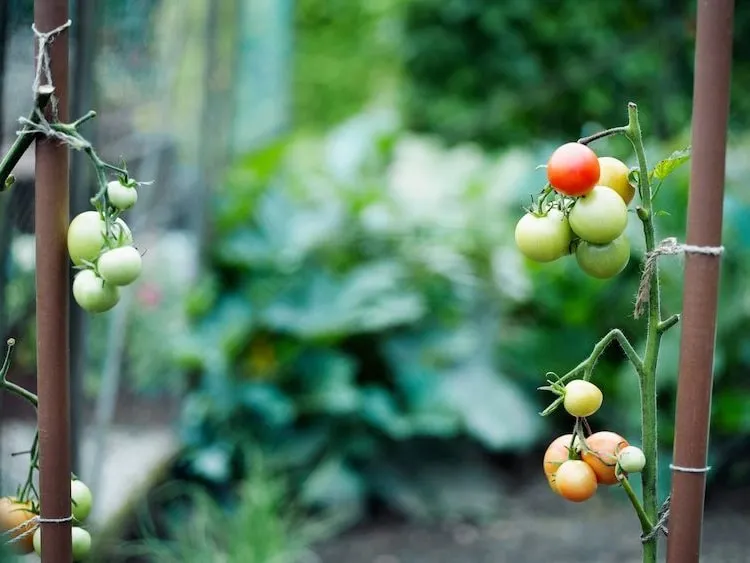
<point x="93" y="294"/>
<point x="603" y="261"/>
<point x="600" y="216"/>
<point x="631" y="459"/>
<point x="543" y="238"/>
<point x="120" y="266"/>
<point x="80" y="538"/>
<point x="120" y="196"/>
<point x="86" y="236"/>
<point x="81" y="500"/>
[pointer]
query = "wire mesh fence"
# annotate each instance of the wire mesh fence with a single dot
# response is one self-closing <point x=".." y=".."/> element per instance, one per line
<point x="172" y="84"/>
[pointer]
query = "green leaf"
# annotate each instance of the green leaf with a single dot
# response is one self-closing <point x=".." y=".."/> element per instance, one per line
<point x="333" y="483"/>
<point x="665" y="167"/>
<point x="327" y="378"/>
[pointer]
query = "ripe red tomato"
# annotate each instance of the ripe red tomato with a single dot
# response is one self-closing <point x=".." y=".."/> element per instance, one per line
<point x="573" y="169"/>
<point x="604" y="448"/>
<point x="576" y="481"/>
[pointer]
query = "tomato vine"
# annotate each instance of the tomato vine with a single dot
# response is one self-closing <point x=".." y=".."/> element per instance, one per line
<point x="597" y="218"/>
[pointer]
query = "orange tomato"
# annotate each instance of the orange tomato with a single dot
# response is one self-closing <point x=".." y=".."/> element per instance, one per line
<point x="14" y="514"/>
<point x="557" y="453"/>
<point x="602" y="457"/>
<point x="576" y="481"/>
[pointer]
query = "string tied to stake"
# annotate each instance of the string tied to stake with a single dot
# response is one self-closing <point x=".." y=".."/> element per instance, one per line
<point x="30" y="526"/>
<point x="663" y="516"/>
<point x="668" y="246"/>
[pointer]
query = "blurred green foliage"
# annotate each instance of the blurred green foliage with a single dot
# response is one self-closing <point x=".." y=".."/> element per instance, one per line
<point x="510" y="72"/>
<point x="345" y="52"/>
<point x="365" y="292"/>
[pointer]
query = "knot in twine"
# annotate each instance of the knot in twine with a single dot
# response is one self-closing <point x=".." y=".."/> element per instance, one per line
<point x="43" y="69"/>
<point x="668" y="246"/>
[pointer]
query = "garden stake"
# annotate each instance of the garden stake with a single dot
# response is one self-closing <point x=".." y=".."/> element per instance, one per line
<point x="713" y="58"/>
<point x="52" y="287"/>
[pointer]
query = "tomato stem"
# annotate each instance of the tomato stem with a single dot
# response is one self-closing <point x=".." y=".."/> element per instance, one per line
<point x="601" y="134"/>
<point x="24" y="140"/>
<point x="649" y="421"/>
<point x="9" y="385"/>
<point x="646" y="525"/>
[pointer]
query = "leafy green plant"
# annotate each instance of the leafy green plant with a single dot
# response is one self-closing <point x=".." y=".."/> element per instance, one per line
<point x="259" y="525"/>
<point x="538" y="69"/>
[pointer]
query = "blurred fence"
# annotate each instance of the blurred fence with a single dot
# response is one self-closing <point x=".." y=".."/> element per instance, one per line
<point x="180" y="88"/>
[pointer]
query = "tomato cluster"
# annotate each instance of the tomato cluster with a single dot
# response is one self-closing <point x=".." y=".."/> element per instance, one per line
<point x="19" y="525"/>
<point x="101" y="246"/>
<point x="576" y="465"/>
<point x="583" y="210"/>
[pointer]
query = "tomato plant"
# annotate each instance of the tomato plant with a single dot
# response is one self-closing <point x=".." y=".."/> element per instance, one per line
<point x="573" y="169"/>
<point x="600" y="216"/>
<point x="543" y="238"/>
<point x="575" y="480"/>
<point x="603" y="261"/>
<point x="594" y="193"/>
<point x="582" y="398"/>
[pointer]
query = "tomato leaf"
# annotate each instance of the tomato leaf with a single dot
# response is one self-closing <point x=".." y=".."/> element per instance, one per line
<point x="665" y="167"/>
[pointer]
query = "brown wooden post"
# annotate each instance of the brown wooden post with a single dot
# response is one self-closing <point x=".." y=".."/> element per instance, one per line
<point x="713" y="62"/>
<point x="52" y="288"/>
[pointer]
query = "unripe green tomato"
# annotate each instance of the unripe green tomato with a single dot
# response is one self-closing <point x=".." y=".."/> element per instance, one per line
<point x="80" y="539"/>
<point x="93" y="294"/>
<point x="600" y="216"/>
<point x="603" y="261"/>
<point x="86" y="236"/>
<point x="543" y="238"/>
<point x="120" y="266"/>
<point x="81" y="500"/>
<point x="631" y="459"/>
<point x="582" y="398"/>
<point x="122" y="197"/>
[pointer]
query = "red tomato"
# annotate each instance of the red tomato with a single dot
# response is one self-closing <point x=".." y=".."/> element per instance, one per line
<point x="557" y="453"/>
<point x="573" y="169"/>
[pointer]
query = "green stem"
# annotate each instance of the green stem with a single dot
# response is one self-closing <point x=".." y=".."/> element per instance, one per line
<point x="649" y="423"/>
<point x="587" y="365"/>
<point x="23" y="141"/>
<point x="643" y="518"/>
<point x="10" y="386"/>
<point x="602" y="134"/>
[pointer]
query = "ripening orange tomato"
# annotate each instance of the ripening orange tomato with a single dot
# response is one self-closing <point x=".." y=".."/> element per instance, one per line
<point x="602" y="457"/>
<point x="13" y="516"/>
<point x="576" y="481"/>
<point x="557" y="453"/>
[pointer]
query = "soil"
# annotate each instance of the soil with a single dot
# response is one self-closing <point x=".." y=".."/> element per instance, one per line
<point x="537" y="526"/>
